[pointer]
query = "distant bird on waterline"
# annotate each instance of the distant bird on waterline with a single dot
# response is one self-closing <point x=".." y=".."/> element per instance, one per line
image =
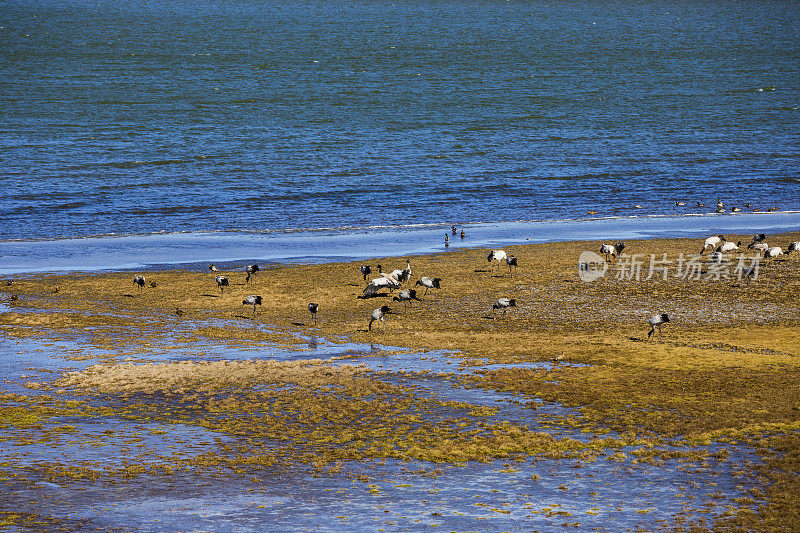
<point x="251" y="271"/>
<point x="496" y="255"/>
<point x="139" y="282"/>
<point x="504" y="304"/>
<point x="366" y="270"/>
<point x="700" y="204"/>
<point x="681" y="204"/>
<point x="222" y="282"/>
<point x="378" y="314"/>
<point x="313" y="308"/>
<point x="429" y="283"/>
<point x="511" y="261"/>
<point x="657" y="320"/>
<point x="212" y="268"/>
<point x="454" y="229"/>
<point x="446" y="239"/>
<point x="712" y="242"/>
<point x="254" y="301"/>
<point x="761" y="237"/>
<point x="406" y="296"/>
<point x="463" y="234"/>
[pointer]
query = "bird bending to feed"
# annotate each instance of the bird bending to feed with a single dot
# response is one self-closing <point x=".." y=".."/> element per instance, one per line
<point x="504" y="304"/>
<point x="716" y="257"/>
<point x="729" y="247"/>
<point x="775" y="251"/>
<point x="760" y="247"/>
<point x="252" y="300"/>
<point x="712" y="242"/>
<point x="757" y="239"/>
<point x="388" y="275"/>
<point x="794" y="247"/>
<point x="406" y="296"/>
<point x="222" y="282"/>
<point x="378" y="314"/>
<point x="429" y="283"/>
<point x="212" y="268"/>
<point x="380" y="283"/>
<point x="613" y="251"/>
<point x="366" y="270"/>
<point x="511" y="261"/>
<point x="657" y="320"/>
<point x="139" y="281"/>
<point x="251" y="271"/>
<point x="496" y="255"/>
<point x="313" y="308"/>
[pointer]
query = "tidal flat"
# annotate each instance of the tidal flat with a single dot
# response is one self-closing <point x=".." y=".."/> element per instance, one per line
<point x="176" y="408"/>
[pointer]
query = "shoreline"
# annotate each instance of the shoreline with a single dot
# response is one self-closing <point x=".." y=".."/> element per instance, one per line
<point x="158" y="251"/>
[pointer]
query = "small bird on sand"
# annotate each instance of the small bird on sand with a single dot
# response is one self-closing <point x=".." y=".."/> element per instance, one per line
<point x="657" y="320"/>
<point x="153" y="284"/>
<point x="406" y="296"/>
<point x="313" y="308"/>
<point x="222" y="282"/>
<point x="251" y="271"/>
<point x="252" y="300"/>
<point x="378" y="314"/>
<point x="14" y="297"/>
<point x="139" y="281"/>
<point x="504" y="304"/>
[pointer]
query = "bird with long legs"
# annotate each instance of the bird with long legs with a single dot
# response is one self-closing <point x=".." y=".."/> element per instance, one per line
<point x="366" y="270"/>
<point x="251" y="271"/>
<point x="496" y="255"/>
<point x="612" y="250"/>
<point x="407" y="296"/>
<point x="378" y="314"/>
<point x="254" y="301"/>
<point x="313" y="308"/>
<point x="429" y="283"/>
<point x="139" y="282"/>
<point x="504" y="304"/>
<point x="511" y="261"/>
<point x="712" y="242"/>
<point x="657" y="320"/>
<point x="222" y="282"/>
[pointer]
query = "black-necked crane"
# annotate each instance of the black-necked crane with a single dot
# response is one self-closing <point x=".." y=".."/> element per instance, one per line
<point x="511" y="261"/>
<point x="761" y="237"/>
<point x="366" y="270"/>
<point x="380" y="283"/>
<point x="222" y="282"/>
<point x="712" y="242"/>
<point x="313" y="308"/>
<point x="760" y="247"/>
<point x="496" y="255"/>
<point x="252" y="300"/>
<point x="378" y="314"/>
<point x="657" y="320"/>
<point x="406" y="296"/>
<point x="251" y="271"/>
<point x="612" y="250"/>
<point x="504" y="304"/>
<point x="429" y="283"/>
<point x="773" y="252"/>
<point x="794" y="247"/>
<point x="139" y="281"/>
<point x="729" y="246"/>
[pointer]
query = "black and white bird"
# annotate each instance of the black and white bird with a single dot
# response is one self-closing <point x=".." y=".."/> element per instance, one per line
<point x="720" y="205"/>
<point x="773" y="252"/>
<point x="729" y="246"/>
<point x="504" y="304"/>
<point x="222" y="282"/>
<point x="657" y="320"/>
<point x="406" y="296"/>
<point x="712" y="242"/>
<point x="496" y="255"/>
<point x="366" y="270"/>
<point x="761" y="237"/>
<point x="794" y="247"/>
<point x="313" y="308"/>
<point x="212" y="268"/>
<point x="735" y="209"/>
<point x="700" y="204"/>
<point x="429" y="283"/>
<point x="251" y="271"/>
<point x="139" y="281"/>
<point x="446" y="239"/>
<point x="454" y="229"/>
<point x="380" y="283"/>
<point x="760" y="247"/>
<point x="612" y="250"/>
<point x="378" y="314"/>
<point x="511" y="261"/>
<point x="252" y="300"/>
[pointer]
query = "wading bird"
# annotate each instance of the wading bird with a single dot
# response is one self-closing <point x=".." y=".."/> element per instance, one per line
<point x="712" y="242"/>
<point x="429" y="283"/>
<point x="139" y="281"/>
<point x="511" y="261"/>
<point x="378" y="314"/>
<point x="773" y="252"/>
<point x="463" y="234"/>
<point x="613" y="251"/>
<point x="380" y="283"/>
<point x="794" y="247"/>
<point x="366" y="270"/>
<point x="313" y="308"/>
<point x="406" y="296"/>
<point x="496" y="255"/>
<point x="251" y="271"/>
<point x="657" y="320"/>
<point x="757" y="239"/>
<point x="252" y="300"/>
<point x="504" y="304"/>
<point x="729" y="247"/>
<point x="222" y="282"/>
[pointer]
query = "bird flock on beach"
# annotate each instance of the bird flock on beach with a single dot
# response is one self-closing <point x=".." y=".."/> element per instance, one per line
<point x="399" y="279"/>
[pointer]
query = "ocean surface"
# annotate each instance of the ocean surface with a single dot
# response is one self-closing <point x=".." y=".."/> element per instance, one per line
<point x="131" y="120"/>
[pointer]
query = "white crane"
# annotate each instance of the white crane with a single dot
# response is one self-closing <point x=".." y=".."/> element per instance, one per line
<point x="773" y="252"/>
<point x="712" y="242"/>
<point x="728" y="247"/>
<point x="380" y="283"/>
<point x="496" y="255"/>
<point x="251" y="271"/>
<point x="794" y="247"/>
<point x="139" y="281"/>
<point x="612" y="250"/>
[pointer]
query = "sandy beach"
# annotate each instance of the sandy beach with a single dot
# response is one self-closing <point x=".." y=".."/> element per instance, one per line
<point x="719" y="387"/>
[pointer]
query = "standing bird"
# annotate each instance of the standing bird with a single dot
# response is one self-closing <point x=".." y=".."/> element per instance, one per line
<point x="712" y="242"/>
<point x="463" y="234"/>
<point x="380" y="283"/>
<point x="429" y="283"/>
<point x="139" y="281"/>
<point x="251" y="271"/>
<point x="366" y="270"/>
<point x="504" y="304"/>
<point x="657" y="320"/>
<point x="446" y="239"/>
<point x="454" y="229"/>
<point x="496" y="255"/>
<point x="212" y="268"/>
<point x="613" y="251"/>
<point x="222" y="282"/>
<point x="720" y="205"/>
<point x="406" y="296"/>
<point x="757" y="239"/>
<point x="378" y="314"/>
<point x="313" y="308"/>
<point x="794" y="247"/>
<point x="511" y="261"/>
<point x="254" y="301"/>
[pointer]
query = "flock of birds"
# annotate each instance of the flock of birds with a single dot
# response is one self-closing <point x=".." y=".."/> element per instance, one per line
<point x="395" y="279"/>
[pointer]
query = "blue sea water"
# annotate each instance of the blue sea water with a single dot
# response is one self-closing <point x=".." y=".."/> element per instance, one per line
<point x="190" y="117"/>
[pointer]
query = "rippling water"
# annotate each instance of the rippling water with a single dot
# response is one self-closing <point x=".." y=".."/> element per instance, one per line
<point x="137" y="117"/>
